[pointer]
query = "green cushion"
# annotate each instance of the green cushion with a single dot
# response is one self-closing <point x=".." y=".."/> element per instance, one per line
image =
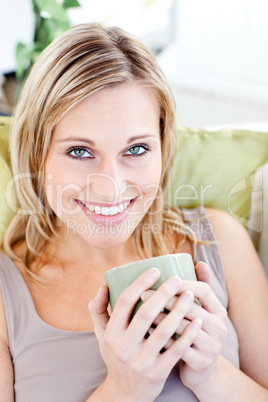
<point x="6" y="212"/>
<point x="215" y="169"/>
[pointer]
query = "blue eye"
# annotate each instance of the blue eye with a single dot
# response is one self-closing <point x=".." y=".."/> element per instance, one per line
<point x="137" y="150"/>
<point x="79" y="153"/>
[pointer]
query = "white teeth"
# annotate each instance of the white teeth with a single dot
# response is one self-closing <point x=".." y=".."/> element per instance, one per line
<point x="98" y="210"/>
<point x="108" y="211"/>
<point x="113" y="211"/>
<point x="105" y="211"/>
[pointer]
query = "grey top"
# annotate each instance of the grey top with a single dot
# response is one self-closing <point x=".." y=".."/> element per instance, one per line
<point x="54" y="365"/>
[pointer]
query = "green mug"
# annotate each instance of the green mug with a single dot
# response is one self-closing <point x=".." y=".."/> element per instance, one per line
<point x="119" y="278"/>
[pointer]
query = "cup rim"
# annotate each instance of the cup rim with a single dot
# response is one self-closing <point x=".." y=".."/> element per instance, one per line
<point x="147" y="259"/>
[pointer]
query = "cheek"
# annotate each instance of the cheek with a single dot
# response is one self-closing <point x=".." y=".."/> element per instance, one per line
<point x="62" y="187"/>
<point x="150" y="177"/>
<point x="149" y="185"/>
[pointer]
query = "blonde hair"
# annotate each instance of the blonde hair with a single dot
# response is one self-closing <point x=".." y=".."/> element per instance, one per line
<point x="83" y="60"/>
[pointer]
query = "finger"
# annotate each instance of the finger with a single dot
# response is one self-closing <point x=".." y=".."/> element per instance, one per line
<point x="146" y="295"/>
<point x="128" y="299"/>
<point x="213" y="324"/>
<point x="204" y="342"/>
<point x="180" y="328"/>
<point x="193" y="358"/>
<point x="198" y="360"/>
<point x="98" y="310"/>
<point x="203" y="273"/>
<point x="212" y="310"/>
<point x="167" y="327"/>
<point x="174" y="353"/>
<point x="147" y="313"/>
<point x="205" y="295"/>
<point x="207" y="344"/>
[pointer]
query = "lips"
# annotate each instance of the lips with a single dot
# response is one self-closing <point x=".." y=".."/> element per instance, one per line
<point x="106" y="210"/>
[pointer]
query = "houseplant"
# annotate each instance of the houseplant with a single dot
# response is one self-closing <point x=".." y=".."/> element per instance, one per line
<point x="50" y="21"/>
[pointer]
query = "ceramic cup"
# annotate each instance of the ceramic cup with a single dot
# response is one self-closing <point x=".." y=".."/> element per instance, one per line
<point x="119" y="278"/>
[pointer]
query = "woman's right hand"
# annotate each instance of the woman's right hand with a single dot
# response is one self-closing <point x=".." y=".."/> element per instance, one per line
<point x="136" y="368"/>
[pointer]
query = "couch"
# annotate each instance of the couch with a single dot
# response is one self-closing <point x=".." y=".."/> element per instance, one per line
<point x="224" y="168"/>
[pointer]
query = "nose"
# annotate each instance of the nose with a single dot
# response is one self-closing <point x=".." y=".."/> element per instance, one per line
<point x="106" y="184"/>
<point x="103" y="187"/>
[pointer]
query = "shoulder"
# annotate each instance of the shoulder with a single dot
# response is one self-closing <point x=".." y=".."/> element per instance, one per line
<point x="222" y="221"/>
<point x="234" y="242"/>
<point x="247" y="289"/>
<point x="230" y="234"/>
<point x="6" y="369"/>
<point x="242" y="267"/>
<point x="8" y="293"/>
<point x="3" y="324"/>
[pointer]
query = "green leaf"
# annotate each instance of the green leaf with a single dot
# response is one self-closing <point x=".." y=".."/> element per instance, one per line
<point x="53" y="9"/>
<point x="45" y="33"/>
<point x="70" y="3"/>
<point x="23" y="59"/>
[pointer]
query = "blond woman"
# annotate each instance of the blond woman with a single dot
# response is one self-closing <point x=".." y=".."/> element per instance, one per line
<point x="92" y="146"/>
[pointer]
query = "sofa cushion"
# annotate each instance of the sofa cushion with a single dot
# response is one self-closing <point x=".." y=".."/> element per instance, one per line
<point x="260" y="203"/>
<point x="215" y="169"/>
<point x="212" y="168"/>
<point x="6" y="212"/>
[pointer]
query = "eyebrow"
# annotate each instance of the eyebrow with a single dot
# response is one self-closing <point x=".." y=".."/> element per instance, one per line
<point x="92" y="143"/>
<point x="76" y="139"/>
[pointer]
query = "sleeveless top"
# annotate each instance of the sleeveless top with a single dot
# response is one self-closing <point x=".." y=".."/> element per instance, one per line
<point x="56" y="365"/>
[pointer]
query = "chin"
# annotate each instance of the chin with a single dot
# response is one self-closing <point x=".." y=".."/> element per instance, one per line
<point x="106" y="238"/>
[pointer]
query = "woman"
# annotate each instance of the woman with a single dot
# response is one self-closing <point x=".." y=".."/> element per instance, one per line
<point x="92" y="147"/>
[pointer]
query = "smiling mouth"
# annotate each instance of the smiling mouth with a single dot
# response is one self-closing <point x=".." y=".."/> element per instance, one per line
<point x="107" y="211"/>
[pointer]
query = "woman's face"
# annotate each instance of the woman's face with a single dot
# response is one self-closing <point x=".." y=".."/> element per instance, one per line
<point x="104" y="164"/>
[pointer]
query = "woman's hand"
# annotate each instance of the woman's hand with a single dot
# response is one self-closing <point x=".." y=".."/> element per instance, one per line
<point x="199" y="360"/>
<point x="136" y="368"/>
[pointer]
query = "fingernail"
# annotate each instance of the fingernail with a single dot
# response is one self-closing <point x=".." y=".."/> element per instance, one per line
<point x="197" y="323"/>
<point x="187" y="297"/>
<point x="175" y="281"/>
<point x="152" y="273"/>
<point x="99" y="291"/>
<point x="146" y="295"/>
<point x="203" y="262"/>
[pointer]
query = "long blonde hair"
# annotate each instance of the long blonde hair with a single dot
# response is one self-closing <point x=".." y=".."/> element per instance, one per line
<point x="83" y="60"/>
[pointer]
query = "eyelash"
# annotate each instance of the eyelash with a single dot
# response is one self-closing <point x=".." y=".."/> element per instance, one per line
<point x="145" y="146"/>
<point x="80" y="149"/>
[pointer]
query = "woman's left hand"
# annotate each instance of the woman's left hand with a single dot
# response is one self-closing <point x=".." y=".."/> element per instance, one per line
<point x="199" y="360"/>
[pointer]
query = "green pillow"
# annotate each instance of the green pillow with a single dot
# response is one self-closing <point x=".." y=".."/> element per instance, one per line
<point x="216" y="169"/>
<point x="6" y="213"/>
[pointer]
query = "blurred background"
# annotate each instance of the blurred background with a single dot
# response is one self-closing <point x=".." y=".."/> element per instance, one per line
<point x="214" y="53"/>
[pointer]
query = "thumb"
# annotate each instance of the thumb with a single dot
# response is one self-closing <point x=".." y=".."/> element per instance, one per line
<point x="98" y="310"/>
<point x="203" y="273"/>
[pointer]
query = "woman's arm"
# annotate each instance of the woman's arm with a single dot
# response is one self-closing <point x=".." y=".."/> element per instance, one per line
<point x="248" y="309"/>
<point x="6" y="370"/>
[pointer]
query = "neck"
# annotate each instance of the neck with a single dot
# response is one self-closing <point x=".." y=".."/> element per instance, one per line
<point x="74" y="249"/>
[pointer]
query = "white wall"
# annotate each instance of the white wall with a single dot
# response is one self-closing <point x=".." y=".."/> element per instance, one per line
<point x="221" y="47"/>
<point x="148" y="20"/>
<point x="16" y="24"/>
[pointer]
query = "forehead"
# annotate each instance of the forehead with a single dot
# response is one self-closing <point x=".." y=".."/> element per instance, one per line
<point x="123" y="108"/>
